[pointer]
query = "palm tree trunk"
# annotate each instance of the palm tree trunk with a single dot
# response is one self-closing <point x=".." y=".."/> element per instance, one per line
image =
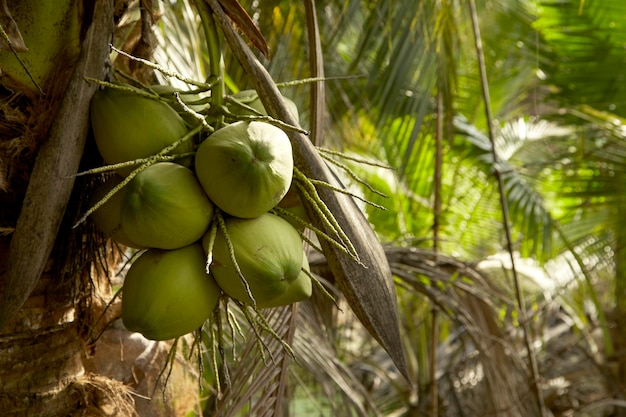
<point x="41" y="329"/>
<point x="40" y="354"/>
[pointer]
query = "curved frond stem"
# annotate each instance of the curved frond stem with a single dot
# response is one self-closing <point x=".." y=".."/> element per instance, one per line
<point x="216" y="58"/>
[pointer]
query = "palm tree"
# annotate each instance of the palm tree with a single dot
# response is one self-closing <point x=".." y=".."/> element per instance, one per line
<point x="56" y="279"/>
<point x="403" y="89"/>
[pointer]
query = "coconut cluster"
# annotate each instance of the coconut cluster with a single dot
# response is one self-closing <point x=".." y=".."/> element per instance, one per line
<point x="168" y="209"/>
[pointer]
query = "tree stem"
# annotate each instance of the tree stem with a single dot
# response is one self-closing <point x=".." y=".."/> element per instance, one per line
<point x="505" y="213"/>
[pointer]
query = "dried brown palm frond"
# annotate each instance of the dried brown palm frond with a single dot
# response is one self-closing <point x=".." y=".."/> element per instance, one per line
<point x="478" y="360"/>
<point x="258" y="370"/>
<point x="331" y="382"/>
<point x="268" y="370"/>
<point x="360" y="267"/>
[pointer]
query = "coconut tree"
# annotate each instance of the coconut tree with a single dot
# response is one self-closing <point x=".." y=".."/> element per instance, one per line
<point x="407" y="102"/>
<point x="60" y="287"/>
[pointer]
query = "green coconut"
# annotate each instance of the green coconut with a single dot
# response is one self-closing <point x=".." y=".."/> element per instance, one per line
<point x="108" y="216"/>
<point x="298" y="290"/>
<point x="127" y="126"/>
<point x="167" y="293"/>
<point x="268" y="251"/>
<point x="245" y="168"/>
<point x="251" y="99"/>
<point x="165" y="207"/>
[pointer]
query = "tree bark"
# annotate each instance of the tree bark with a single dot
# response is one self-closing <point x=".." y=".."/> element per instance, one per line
<point x="41" y="339"/>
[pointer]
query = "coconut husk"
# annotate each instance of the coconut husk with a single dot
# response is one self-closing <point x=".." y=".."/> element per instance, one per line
<point x="102" y="396"/>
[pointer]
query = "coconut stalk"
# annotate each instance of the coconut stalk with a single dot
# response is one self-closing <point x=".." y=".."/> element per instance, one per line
<point x="368" y="284"/>
<point x="52" y="178"/>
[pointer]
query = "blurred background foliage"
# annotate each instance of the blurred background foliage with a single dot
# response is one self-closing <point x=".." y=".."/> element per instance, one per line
<point x="402" y="80"/>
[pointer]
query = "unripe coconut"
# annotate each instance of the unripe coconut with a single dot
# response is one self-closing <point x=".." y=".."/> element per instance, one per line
<point x="245" y="168"/>
<point x="298" y="290"/>
<point x="108" y="216"/>
<point x="167" y="294"/>
<point x="127" y="127"/>
<point x="268" y="251"/>
<point x="251" y="99"/>
<point x="165" y="207"/>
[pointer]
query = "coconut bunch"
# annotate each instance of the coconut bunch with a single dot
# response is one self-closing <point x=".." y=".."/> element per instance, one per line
<point x="202" y="213"/>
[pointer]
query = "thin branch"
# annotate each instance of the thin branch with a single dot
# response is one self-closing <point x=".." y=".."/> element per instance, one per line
<point x="505" y="211"/>
<point x="434" y="336"/>
<point x="316" y="64"/>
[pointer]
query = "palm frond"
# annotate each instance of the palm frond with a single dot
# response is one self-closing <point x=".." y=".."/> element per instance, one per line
<point x="257" y="374"/>
<point x="583" y="42"/>
<point x="523" y="157"/>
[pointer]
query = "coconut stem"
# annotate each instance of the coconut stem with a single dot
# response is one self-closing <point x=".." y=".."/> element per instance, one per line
<point x="216" y="60"/>
<point x="162" y="70"/>
<point x="231" y="252"/>
<point x="352" y="175"/>
<point x="211" y="244"/>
